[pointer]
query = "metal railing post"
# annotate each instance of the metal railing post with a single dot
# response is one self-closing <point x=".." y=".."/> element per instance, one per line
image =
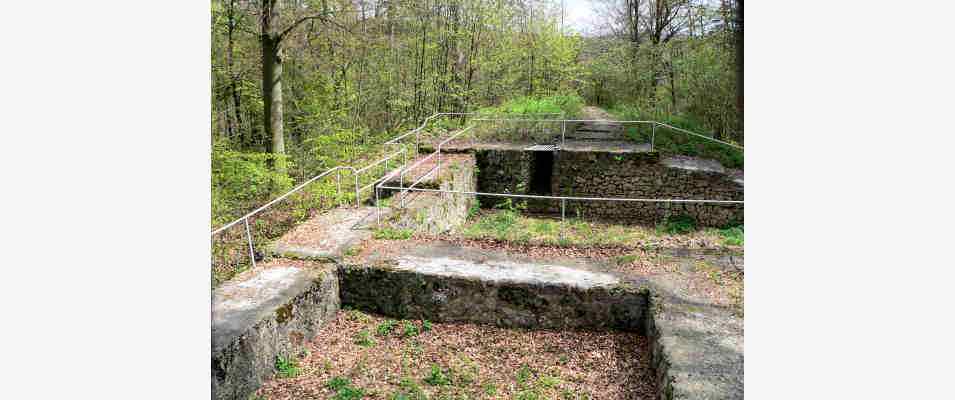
<point x="248" y="233"/>
<point x="357" y="199"/>
<point x="563" y="213"/>
<point x="653" y="134"/>
<point x="563" y="130"/>
<point x="338" y="180"/>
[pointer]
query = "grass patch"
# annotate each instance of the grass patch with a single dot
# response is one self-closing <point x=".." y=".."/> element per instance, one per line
<point x="389" y="233"/>
<point x="672" y="142"/>
<point x="678" y="225"/>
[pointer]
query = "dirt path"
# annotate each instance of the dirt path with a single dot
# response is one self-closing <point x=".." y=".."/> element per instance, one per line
<point x="591" y="112"/>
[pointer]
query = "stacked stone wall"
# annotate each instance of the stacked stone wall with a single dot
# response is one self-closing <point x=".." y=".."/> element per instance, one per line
<point x="623" y="175"/>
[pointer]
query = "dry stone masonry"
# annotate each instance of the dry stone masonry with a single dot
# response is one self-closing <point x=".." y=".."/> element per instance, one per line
<point x="617" y="174"/>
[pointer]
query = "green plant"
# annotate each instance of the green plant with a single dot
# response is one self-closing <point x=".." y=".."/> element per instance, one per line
<point x="409" y="390"/>
<point x="547" y="381"/>
<point x="357" y="316"/>
<point x="677" y="225"/>
<point x="474" y="209"/>
<point x="409" y="328"/>
<point x="386" y="327"/>
<point x="524" y="374"/>
<point x="426" y="326"/>
<point x="287" y="367"/>
<point x="363" y="339"/>
<point x="732" y="236"/>
<point x="337" y="382"/>
<point x="389" y="233"/>
<point x="490" y="389"/>
<point x="437" y="377"/>
<point x="344" y="389"/>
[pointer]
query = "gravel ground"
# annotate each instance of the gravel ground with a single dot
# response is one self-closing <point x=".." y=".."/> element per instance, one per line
<point x="454" y="361"/>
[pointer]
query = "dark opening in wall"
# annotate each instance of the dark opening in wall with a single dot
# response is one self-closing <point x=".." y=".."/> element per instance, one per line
<point x="541" y="172"/>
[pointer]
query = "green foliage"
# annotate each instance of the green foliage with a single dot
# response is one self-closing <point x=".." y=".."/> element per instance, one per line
<point x="343" y="389"/>
<point x="678" y="225"/>
<point x="409" y="329"/>
<point x="426" y="326"/>
<point x="409" y="390"/>
<point x="389" y="233"/>
<point x="386" y="327"/>
<point x="474" y="209"/>
<point x="567" y="105"/>
<point x="357" y="316"/>
<point x="437" y="377"/>
<point x="241" y="179"/>
<point x="693" y="76"/>
<point x="364" y="339"/>
<point x="287" y="367"/>
<point x="524" y="374"/>
<point x="338" y="382"/>
<point x="672" y="142"/>
<point x="732" y="236"/>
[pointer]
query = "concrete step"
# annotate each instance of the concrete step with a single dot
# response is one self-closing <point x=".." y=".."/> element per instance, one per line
<point x="328" y="235"/>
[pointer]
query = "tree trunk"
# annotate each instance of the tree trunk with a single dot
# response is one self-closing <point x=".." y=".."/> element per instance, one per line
<point x="236" y="123"/>
<point x="739" y="69"/>
<point x="272" y="84"/>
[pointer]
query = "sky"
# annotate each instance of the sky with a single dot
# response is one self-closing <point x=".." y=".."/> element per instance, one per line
<point x="578" y="15"/>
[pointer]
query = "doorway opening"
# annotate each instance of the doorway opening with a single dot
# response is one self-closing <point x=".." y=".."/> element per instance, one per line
<point x="541" y="171"/>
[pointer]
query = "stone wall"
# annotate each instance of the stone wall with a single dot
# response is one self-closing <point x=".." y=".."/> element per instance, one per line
<point x="413" y="295"/>
<point x="502" y="171"/>
<point x="272" y="313"/>
<point x="608" y="174"/>
<point x="437" y="213"/>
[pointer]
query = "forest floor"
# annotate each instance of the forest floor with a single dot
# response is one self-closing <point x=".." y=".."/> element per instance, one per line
<point x="359" y="355"/>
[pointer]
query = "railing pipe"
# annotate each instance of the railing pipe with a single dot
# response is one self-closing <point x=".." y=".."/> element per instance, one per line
<point x="248" y="233"/>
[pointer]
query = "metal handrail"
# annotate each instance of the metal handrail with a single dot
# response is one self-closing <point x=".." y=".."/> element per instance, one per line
<point x="572" y="198"/>
<point x="656" y="123"/>
<point x="278" y="199"/>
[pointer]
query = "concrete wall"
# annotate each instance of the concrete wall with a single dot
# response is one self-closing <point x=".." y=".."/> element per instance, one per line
<point x="606" y="174"/>
<point x="438" y="213"/>
<point x="273" y="313"/>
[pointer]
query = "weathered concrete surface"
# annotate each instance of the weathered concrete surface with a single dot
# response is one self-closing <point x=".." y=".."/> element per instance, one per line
<point x="446" y="283"/>
<point x="262" y="315"/>
<point x="328" y="235"/>
<point x="438" y="213"/>
<point x="697" y="350"/>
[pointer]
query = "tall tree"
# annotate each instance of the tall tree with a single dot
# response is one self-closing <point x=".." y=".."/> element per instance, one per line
<point x="271" y="37"/>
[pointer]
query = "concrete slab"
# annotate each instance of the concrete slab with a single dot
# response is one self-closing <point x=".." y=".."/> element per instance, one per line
<point x="327" y="236"/>
<point x="487" y="269"/>
<point x="262" y="315"/>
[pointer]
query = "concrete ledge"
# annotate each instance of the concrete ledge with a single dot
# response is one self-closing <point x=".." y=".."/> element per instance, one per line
<point x="696" y="352"/>
<point x="492" y="291"/>
<point x="270" y="313"/>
